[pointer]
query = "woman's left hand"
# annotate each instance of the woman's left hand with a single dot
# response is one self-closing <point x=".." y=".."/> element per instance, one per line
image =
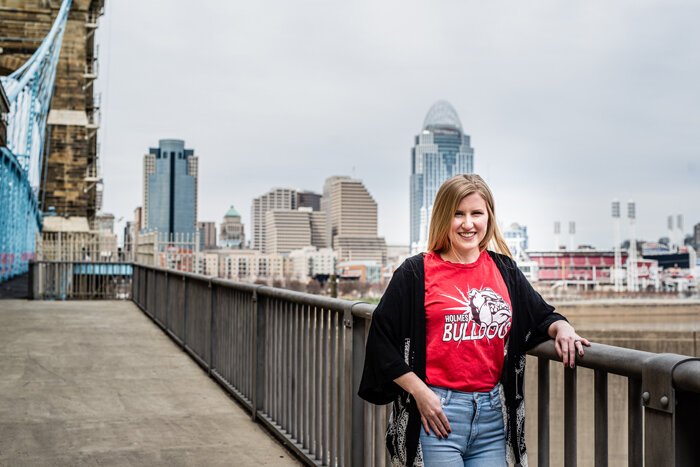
<point x="566" y="342"/>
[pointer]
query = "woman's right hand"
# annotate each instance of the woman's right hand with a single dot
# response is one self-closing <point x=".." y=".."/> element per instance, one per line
<point x="429" y="404"/>
<point x="431" y="413"/>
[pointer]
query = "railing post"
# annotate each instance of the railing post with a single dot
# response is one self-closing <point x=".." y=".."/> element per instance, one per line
<point x="30" y="280"/>
<point x="134" y="283"/>
<point x="687" y="446"/>
<point x="600" y="418"/>
<point x="663" y="442"/>
<point x="152" y="313"/>
<point x="212" y="309"/>
<point x="347" y="426"/>
<point x="145" y="291"/>
<point x="570" y="417"/>
<point x="635" y="445"/>
<point x="183" y="338"/>
<point x="357" y="419"/>
<point x="167" y="319"/>
<point x="542" y="412"/>
<point x="259" y="336"/>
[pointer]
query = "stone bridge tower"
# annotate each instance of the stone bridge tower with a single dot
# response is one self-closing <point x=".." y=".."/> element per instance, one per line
<point x="71" y="183"/>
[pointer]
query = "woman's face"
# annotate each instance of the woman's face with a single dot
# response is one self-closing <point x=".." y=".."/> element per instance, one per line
<point x="468" y="227"/>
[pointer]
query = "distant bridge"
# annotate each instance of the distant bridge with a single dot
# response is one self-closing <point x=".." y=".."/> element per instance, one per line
<point x="29" y="90"/>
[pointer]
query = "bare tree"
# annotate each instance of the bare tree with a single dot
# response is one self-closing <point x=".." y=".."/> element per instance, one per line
<point x="296" y="286"/>
<point x="313" y="287"/>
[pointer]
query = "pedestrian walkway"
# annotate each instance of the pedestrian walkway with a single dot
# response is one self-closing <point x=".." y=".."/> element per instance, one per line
<point x="87" y="383"/>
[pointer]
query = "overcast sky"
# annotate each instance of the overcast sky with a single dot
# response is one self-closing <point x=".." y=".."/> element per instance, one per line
<point x="569" y="104"/>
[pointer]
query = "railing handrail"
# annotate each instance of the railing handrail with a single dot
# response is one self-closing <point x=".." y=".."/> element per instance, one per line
<point x="625" y="362"/>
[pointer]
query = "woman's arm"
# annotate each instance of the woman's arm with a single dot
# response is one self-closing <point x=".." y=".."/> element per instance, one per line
<point x="429" y="404"/>
<point x="567" y="342"/>
<point x="385" y="347"/>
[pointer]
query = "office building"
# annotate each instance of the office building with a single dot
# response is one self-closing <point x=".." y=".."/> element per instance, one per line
<point x="207" y="235"/>
<point x="352" y="220"/>
<point x="308" y="263"/>
<point x="309" y="199"/>
<point x="251" y="266"/>
<point x="277" y="198"/>
<point x="287" y="230"/>
<point x="170" y="188"/>
<point x="208" y="264"/>
<point x="441" y="151"/>
<point x="103" y="222"/>
<point x="516" y="238"/>
<point x="361" y="271"/>
<point x="232" y="234"/>
<point x="139" y="220"/>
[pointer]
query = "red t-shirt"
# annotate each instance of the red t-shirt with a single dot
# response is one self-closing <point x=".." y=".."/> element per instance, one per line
<point x="468" y="318"/>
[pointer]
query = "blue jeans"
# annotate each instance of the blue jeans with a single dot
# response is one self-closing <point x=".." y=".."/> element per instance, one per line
<point x="477" y="438"/>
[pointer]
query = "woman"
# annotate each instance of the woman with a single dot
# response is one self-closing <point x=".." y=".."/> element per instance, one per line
<point x="448" y="339"/>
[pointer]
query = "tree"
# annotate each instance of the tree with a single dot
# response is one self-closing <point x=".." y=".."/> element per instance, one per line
<point x="295" y="285"/>
<point x="313" y="287"/>
<point x="346" y="288"/>
<point x="362" y="288"/>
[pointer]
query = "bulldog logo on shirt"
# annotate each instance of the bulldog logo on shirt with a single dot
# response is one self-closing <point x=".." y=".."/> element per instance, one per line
<point x="485" y="314"/>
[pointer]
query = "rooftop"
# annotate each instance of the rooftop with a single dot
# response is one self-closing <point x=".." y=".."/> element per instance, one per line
<point x="442" y="116"/>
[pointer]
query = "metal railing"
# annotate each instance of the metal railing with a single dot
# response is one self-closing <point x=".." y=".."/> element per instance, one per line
<point x="294" y="360"/>
<point x="79" y="280"/>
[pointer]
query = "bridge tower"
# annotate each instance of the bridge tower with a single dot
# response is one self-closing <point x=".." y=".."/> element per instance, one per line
<point x="70" y="180"/>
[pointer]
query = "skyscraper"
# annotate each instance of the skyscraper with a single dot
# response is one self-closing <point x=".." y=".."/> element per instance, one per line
<point x="442" y="150"/>
<point x="352" y="220"/>
<point x="170" y="188"/>
<point x="207" y="235"/>
<point x="277" y="198"/>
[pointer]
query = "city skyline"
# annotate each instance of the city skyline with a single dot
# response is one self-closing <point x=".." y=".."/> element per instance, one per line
<point x="569" y="106"/>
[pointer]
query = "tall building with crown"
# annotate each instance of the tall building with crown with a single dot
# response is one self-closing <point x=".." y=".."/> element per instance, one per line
<point x="441" y="150"/>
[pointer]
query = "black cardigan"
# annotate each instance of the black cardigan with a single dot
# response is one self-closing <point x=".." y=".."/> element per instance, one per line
<point x="396" y="345"/>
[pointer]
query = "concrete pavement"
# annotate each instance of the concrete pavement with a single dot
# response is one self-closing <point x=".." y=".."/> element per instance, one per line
<point x="87" y="383"/>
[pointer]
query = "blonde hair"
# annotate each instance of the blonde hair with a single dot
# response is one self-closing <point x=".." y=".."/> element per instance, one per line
<point x="446" y="202"/>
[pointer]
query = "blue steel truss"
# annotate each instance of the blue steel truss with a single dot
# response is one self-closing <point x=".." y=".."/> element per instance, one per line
<point x="29" y="90"/>
<point x="19" y="217"/>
